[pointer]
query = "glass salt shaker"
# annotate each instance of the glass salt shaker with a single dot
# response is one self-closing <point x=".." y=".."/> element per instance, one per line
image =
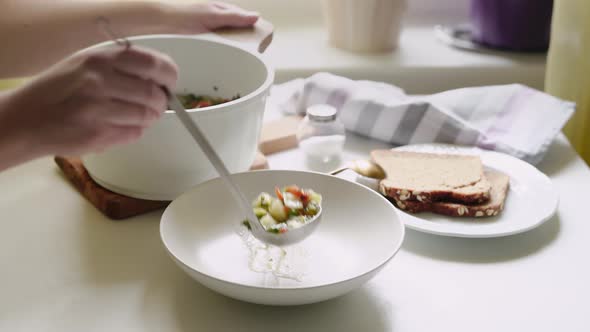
<point x="321" y="135"/>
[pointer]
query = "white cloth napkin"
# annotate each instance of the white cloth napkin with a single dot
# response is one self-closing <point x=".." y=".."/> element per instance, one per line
<point x="513" y="119"/>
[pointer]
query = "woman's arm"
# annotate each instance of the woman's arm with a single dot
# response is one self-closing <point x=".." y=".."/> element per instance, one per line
<point x="35" y="34"/>
<point x="85" y="103"/>
<point x="15" y="146"/>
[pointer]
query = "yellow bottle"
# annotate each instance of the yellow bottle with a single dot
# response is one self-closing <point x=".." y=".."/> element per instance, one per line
<point x="568" y="67"/>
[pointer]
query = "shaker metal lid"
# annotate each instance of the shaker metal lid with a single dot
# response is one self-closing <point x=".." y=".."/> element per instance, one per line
<point x="322" y="112"/>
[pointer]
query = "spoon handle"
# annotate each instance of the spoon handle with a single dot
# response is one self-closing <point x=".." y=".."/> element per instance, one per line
<point x="217" y="163"/>
<point x="339" y="170"/>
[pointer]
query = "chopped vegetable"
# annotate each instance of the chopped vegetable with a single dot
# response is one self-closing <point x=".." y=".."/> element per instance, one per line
<point x="259" y="212"/>
<point x="263" y="201"/>
<point x="268" y="221"/>
<point x="293" y="190"/>
<point x="314" y="197"/>
<point x="279" y="193"/>
<point x="292" y="208"/>
<point x="277" y="210"/>
<point x="191" y="100"/>
<point x="247" y="224"/>
<point x="292" y="201"/>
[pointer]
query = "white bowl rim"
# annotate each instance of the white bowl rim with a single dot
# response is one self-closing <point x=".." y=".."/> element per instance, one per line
<point x="295" y="288"/>
<point x="209" y="37"/>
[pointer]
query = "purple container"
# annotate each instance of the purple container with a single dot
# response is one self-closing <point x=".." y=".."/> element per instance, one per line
<point x="520" y="25"/>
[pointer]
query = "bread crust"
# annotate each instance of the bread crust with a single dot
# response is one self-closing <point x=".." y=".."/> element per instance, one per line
<point x="500" y="185"/>
<point x="433" y="196"/>
<point x="427" y="177"/>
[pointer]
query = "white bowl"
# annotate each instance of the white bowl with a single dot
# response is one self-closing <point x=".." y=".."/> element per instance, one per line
<point x="359" y="233"/>
<point x="166" y="161"/>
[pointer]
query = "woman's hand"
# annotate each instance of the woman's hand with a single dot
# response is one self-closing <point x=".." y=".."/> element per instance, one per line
<point x="85" y="103"/>
<point x="203" y="17"/>
<point x="72" y="26"/>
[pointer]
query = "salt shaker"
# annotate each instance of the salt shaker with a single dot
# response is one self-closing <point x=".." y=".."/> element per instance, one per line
<point x="321" y="135"/>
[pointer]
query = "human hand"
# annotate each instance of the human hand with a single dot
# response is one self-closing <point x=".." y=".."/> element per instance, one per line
<point x="204" y="17"/>
<point x="88" y="102"/>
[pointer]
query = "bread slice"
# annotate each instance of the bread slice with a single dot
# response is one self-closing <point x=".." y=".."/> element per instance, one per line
<point x="427" y="177"/>
<point x="493" y="207"/>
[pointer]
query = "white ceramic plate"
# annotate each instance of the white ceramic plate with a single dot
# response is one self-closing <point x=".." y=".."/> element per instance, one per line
<point x="359" y="233"/>
<point x="531" y="199"/>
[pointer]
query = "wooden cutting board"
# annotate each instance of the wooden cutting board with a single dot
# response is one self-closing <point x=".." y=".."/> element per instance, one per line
<point x="279" y="135"/>
<point x="115" y="206"/>
<point x="276" y="136"/>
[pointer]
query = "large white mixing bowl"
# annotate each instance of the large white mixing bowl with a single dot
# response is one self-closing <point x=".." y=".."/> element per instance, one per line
<point x="166" y="161"/>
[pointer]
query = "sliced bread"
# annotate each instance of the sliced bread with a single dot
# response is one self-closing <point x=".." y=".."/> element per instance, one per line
<point x="427" y="177"/>
<point x="495" y="205"/>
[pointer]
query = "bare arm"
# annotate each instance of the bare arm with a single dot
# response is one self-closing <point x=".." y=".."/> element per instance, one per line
<point x="15" y="148"/>
<point x="35" y="34"/>
<point x="84" y="103"/>
<point x="88" y="102"/>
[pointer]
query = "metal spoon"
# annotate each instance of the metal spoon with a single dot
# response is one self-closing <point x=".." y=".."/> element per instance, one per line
<point x="366" y="168"/>
<point x="290" y="237"/>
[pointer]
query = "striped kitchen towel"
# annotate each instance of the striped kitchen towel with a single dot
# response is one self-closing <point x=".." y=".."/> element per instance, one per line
<point x="513" y="118"/>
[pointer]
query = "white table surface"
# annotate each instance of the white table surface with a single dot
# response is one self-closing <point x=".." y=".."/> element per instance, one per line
<point x="64" y="267"/>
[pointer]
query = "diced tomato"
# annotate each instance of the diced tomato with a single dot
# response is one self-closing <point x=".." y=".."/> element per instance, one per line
<point x="282" y="230"/>
<point x="294" y="190"/>
<point x="304" y="198"/>
<point x="203" y="103"/>
<point x="279" y="194"/>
